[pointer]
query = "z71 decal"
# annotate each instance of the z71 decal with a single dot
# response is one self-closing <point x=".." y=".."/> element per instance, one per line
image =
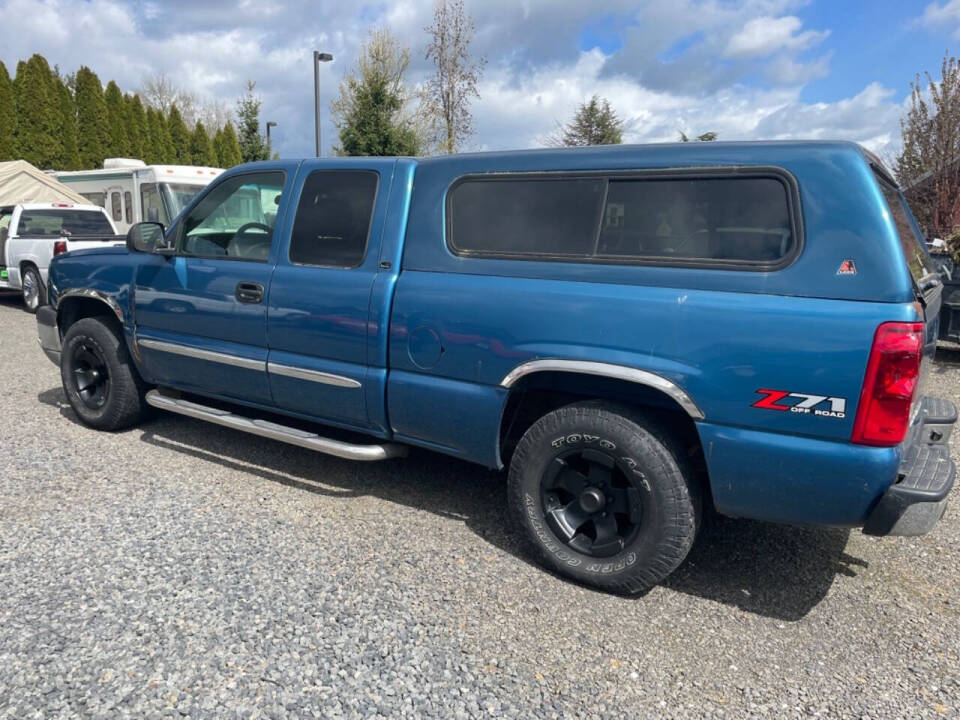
<point x="802" y="403"/>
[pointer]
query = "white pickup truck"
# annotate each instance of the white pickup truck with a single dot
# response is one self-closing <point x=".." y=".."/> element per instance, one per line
<point x="32" y="234"/>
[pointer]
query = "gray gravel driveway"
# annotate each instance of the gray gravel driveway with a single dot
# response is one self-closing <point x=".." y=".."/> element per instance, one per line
<point x="181" y="569"/>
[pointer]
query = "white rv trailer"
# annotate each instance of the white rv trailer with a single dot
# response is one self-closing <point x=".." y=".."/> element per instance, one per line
<point x="131" y="191"/>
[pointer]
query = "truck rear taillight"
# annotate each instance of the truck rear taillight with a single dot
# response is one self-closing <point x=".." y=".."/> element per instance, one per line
<point x="59" y="247"/>
<point x="893" y="370"/>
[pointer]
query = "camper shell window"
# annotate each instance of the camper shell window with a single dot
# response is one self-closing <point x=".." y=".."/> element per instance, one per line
<point x="743" y="219"/>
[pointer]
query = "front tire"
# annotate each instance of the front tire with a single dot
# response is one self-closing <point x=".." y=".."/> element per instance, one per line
<point x="34" y="292"/>
<point x="101" y="383"/>
<point x="604" y="496"/>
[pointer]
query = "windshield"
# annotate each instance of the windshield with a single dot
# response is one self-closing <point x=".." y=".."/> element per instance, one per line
<point x="178" y="195"/>
<point x="56" y="222"/>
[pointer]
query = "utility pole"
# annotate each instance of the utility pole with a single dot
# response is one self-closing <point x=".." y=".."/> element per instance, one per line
<point x="318" y="57"/>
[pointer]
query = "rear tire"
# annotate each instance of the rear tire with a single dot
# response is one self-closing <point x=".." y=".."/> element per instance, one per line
<point x="34" y="292"/>
<point x="605" y="496"/>
<point x="101" y="383"/>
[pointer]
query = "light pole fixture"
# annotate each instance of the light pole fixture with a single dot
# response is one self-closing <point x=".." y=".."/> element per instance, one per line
<point x="318" y="57"/>
<point x="270" y="124"/>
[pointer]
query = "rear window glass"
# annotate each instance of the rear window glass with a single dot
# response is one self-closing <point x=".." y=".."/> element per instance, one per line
<point x="64" y="222"/>
<point x="914" y="248"/>
<point x="738" y="220"/>
<point x="333" y="218"/>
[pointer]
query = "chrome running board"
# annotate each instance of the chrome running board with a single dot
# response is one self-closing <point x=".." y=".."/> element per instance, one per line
<point x="264" y="428"/>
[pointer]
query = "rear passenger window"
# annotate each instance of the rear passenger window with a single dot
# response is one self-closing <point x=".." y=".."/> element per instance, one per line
<point x="729" y="220"/>
<point x="333" y="218"/>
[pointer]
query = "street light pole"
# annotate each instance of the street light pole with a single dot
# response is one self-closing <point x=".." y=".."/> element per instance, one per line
<point x="318" y="57"/>
<point x="270" y="124"/>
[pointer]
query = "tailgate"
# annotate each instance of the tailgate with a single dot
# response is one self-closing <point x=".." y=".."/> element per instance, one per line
<point x="93" y="241"/>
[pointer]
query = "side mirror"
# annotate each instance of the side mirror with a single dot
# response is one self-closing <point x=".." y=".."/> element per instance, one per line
<point x="145" y="237"/>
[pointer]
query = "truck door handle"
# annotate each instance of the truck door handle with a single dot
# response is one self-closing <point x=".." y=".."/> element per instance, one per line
<point x="249" y="292"/>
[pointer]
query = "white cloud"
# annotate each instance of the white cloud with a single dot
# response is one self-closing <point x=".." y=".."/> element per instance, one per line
<point x="701" y="46"/>
<point x="943" y="15"/>
<point x="763" y="36"/>
<point x="673" y="73"/>
<point x="522" y="114"/>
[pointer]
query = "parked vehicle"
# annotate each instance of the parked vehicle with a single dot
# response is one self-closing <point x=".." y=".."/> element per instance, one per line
<point x="133" y="192"/>
<point x="32" y="234"/>
<point x="634" y="331"/>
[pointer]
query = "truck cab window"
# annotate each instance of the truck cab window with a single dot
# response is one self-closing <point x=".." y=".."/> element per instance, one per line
<point x="231" y="222"/>
<point x="333" y="218"/>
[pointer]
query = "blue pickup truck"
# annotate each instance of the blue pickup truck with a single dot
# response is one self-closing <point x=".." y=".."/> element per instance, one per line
<point x="635" y="332"/>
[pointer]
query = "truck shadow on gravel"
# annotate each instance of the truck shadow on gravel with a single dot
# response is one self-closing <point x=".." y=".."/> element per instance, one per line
<point x="947" y="354"/>
<point x="11" y="299"/>
<point x="771" y="570"/>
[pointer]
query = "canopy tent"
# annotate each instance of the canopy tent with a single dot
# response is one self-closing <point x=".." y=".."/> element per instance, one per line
<point x="21" y="182"/>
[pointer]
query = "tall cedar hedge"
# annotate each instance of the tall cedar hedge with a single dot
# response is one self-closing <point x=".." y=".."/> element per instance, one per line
<point x="73" y="123"/>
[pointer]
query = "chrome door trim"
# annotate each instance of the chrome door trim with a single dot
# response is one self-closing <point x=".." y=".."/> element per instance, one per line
<point x="198" y="354"/>
<point x="619" y="372"/>
<point x="312" y="375"/>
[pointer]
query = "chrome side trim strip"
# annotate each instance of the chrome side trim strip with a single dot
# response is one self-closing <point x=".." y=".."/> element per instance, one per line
<point x="620" y="372"/>
<point x="312" y="375"/>
<point x="94" y="294"/>
<point x="197" y="353"/>
<point x="263" y="428"/>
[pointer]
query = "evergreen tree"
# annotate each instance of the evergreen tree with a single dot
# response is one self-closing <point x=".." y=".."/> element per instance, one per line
<point x="118" y="144"/>
<point x="201" y="149"/>
<point x="218" y="145"/>
<point x="37" y="104"/>
<point x="8" y="117"/>
<point x="69" y="153"/>
<point x="227" y="147"/>
<point x="705" y="137"/>
<point x="136" y="124"/>
<point x="152" y="153"/>
<point x="252" y="145"/>
<point x="594" y="123"/>
<point x="92" y="139"/>
<point x="369" y="109"/>
<point x="179" y="138"/>
<point x="164" y="143"/>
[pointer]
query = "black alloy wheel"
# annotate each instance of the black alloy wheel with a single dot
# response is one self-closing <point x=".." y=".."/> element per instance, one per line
<point x="590" y="503"/>
<point x="91" y="374"/>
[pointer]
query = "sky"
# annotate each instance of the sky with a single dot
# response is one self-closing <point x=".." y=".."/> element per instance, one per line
<point x="747" y="69"/>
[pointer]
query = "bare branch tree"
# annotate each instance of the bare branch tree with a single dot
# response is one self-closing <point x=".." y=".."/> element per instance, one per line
<point x="929" y="166"/>
<point x="453" y="85"/>
<point x="161" y="93"/>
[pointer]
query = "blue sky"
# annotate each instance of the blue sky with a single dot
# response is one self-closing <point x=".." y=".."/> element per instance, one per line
<point x="748" y="69"/>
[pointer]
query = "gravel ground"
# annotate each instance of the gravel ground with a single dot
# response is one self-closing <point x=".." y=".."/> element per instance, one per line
<point x="182" y="569"/>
